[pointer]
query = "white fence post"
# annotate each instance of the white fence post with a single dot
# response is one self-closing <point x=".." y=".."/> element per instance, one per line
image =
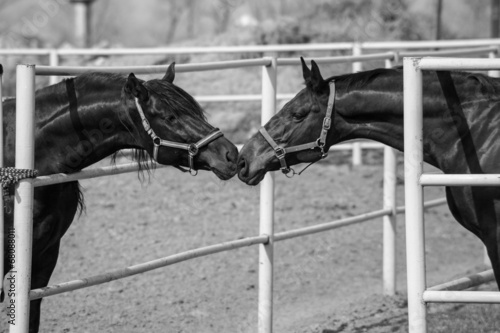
<point x="2" y="224"/>
<point x="265" y="312"/>
<point x="23" y="204"/>
<point x="413" y="158"/>
<point x="389" y="253"/>
<point x="53" y="61"/>
<point x="357" y="156"/>
<point x="493" y="73"/>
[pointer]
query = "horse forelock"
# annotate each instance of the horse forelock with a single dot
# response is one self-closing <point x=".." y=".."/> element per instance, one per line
<point x="179" y="102"/>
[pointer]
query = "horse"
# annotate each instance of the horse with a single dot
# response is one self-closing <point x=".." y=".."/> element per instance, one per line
<point x="82" y="120"/>
<point x="461" y="133"/>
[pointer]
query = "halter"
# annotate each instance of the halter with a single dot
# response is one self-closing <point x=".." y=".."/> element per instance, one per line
<point x="192" y="148"/>
<point x="281" y="152"/>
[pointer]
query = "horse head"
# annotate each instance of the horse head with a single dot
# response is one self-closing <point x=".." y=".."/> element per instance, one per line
<point x="291" y="136"/>
<point x="174" y="130"/>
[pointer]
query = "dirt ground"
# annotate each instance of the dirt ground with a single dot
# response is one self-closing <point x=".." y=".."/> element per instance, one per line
<point x="329" y="282"/>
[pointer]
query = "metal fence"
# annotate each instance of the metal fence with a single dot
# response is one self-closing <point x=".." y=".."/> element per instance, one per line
<point x="24" y="190"/>
<point x="415" y="179"/>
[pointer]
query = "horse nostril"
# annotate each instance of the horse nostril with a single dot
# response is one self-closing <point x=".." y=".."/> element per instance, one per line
<point x="230" y="157"/>
<point x="242" y="166"/>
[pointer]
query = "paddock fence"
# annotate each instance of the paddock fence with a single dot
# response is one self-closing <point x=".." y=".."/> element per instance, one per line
<point x="416" y="179"/>
<point x="24" y="190"/>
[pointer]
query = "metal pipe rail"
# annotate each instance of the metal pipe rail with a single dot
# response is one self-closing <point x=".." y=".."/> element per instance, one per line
<point x="181" y="68"/>
<point x="466" y="282"/>
<point x="258" y="48"/>
<point x="338" y="59"/>
<point x="145" y="267"/>
<point x="447" y="53"/>
<point x="445" y="296"/>
<point x="89" y="173"/>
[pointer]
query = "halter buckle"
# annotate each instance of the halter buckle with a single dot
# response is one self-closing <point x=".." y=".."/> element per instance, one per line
<point x="193" y="149"/>
<point x="327" y="122"/>
<point x="280" y="152"/>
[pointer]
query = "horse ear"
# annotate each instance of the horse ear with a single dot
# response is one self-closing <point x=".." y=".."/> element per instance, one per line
<point x="317" y="81"/>
<point x="134" y="87"/>
<point x="306" y="72"/>
<point x="170" y="75"/>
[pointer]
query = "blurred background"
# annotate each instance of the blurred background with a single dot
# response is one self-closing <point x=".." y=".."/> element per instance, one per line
<point x="158" y="23"/>
<point x="151" y="23"/>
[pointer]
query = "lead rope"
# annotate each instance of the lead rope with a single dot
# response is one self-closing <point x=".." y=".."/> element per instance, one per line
<point x="10" y="176"/>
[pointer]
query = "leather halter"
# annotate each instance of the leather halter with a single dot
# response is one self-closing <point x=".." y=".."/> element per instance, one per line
<point x="281" y="152"/>
<point x="192" y="148"/>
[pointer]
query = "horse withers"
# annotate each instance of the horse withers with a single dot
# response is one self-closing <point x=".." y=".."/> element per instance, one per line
<point x="83" y="120"/>
<point x="461" y="121"/>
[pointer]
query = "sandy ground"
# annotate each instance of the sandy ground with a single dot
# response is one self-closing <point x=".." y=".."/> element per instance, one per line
<point x="329" y="282"/>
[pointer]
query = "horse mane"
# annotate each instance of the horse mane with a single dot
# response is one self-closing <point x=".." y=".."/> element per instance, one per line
<point x="178" y="101"/>
<point x="361" y="79"/>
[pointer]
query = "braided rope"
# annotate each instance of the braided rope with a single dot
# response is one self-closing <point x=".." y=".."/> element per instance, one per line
<point x="10" y="176"/>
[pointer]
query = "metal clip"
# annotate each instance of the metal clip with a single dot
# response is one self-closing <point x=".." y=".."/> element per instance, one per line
<point x="327" y="122"/>
<point x="193" y="149"/>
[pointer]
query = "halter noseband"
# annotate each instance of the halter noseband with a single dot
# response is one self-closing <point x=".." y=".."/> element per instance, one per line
<point x="192" y="148"/>
<point x="281" y="152"/>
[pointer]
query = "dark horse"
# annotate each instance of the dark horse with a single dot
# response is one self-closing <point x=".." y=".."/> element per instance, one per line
<point x="461" y="133"/>
<point x="83" y="120"/>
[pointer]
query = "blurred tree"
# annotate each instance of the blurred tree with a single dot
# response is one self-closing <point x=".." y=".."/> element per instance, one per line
<point x="174" y="13"/>
<point x="439" y="10"/>
<point x="495" y="17"/>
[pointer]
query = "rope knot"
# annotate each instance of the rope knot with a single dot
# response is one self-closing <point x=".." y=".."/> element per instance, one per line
<point x="10" y="176"/>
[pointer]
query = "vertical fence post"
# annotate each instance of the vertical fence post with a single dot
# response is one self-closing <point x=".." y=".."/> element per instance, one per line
<point x="357" y="157"/>
<point x="413" y="158"/>
<point x="389" y="253"/>
<point x="23" y="203"/>
<point x="2" y="222"/>
<point x="493" y="73"/>
<point x="265" y="312"/>
<point x="53" y="61"/>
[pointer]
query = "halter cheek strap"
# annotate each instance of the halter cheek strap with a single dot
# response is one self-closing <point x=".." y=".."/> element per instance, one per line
<point x="192" y="148"/>
<point x="280" y="152"/>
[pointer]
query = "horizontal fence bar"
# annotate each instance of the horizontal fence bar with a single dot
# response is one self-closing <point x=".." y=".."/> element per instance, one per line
<point x="348" y="221"/>
<point x="257" y="48"/>
<point x="430" y="44"/>
<point x="145" y="267"/>
<point x="434" y="296"/>
<point x="213" y="49"/>
<point x="427" y="205"/>
<point x="452" y="64"/>
<point x="89" y="173"/>
<point x="460" y="180"/>
<point x="238" y="98"/>
<point x="181" y="68"/>
<point x="330" y="225"/>
<point x="466" y="281"/>
<point x="40" y="52"/>
<point x="335" y="60"/>
<point x="458" y="52"/>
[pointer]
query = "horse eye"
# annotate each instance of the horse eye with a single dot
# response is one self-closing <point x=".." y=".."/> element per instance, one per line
<point x="299" y="116"/>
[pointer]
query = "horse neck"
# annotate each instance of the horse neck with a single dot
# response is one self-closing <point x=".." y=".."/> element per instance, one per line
<point x="375" y="111"/>
<point x="61" y="146"/>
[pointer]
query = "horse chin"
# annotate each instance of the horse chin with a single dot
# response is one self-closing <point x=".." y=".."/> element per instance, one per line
<point x="224" y="173"/>
<point x="255" y="179"/>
